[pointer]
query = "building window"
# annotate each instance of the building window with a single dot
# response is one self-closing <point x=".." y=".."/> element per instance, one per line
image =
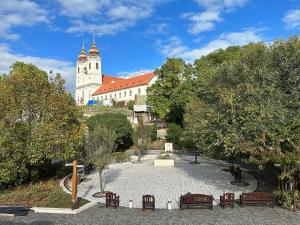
<point x="130" y="92"/>
<point x="139" y="91"/>
<point x="115" y="95"/>
<point x="97" y="66"/>
<point x="101" y="98"/>
<point x="124" y="93"/>
<point x="78" y="69"/>
<point x="119" y="94"/>
<point x="89" y="66"/>
<point x="105" y="97"/>
<point x="110" y="96"/>
<point x="97" y="99"/>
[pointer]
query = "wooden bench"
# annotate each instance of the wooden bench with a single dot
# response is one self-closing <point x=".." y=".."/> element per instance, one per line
<point x="227" y="200"/>
<point x="148" y="202"/>
<point x="112" y="200"/>
<point x="257" y="199"/>
<point x="196" y="200"/>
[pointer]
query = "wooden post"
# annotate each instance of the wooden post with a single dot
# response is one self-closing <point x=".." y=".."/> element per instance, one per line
<point x="74" y="184"/>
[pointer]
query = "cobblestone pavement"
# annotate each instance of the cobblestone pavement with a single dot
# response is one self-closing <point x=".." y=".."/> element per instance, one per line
<point x="166" y="183"/>
<point x="125" y="216"/>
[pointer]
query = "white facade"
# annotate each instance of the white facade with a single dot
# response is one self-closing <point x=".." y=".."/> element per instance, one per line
<point x="88" y="76"/>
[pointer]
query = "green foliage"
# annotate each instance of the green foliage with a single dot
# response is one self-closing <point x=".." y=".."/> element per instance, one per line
<point x="130" y="105"/>
<point x="167" y="96"/>
<point x="101" y="144"/>
<point x="285" y="198"/>
<point x="249" y="106"/>
<point x="153" y="132"/>
<point x="119" y="157"/>
<point x="174" y="133"/>
<point x="116" y="122"/>
<point x="39" y="121"/>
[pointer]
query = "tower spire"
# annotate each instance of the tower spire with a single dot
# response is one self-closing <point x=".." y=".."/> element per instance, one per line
<point x="82" y="43"/>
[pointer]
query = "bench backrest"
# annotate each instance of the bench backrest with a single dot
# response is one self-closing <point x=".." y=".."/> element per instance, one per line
<point x="228" y="196"/>
<point x="148" y="199"/>
<point x="189" y="198"/>
<point x="257" y="196"/>
<point x="110" y="196"/>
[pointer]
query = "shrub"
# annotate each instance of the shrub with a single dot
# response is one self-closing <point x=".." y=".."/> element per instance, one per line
<point x="153" y="132"/>
<point x="285" y="198"/>
<point x="174" y="132"/>
<point x="120" y="157"/>
<point x="116" y="122"/>
<point x="130" y="105"/>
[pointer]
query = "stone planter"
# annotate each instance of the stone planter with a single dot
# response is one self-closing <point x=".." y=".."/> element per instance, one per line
<point x="163" y="162"/>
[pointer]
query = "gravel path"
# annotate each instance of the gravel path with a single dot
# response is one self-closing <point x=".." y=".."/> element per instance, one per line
<point x="124" y="216"/>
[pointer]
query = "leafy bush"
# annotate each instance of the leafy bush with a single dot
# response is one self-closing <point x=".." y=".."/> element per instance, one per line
<point x="130" y="105"/>
<point x="174" y="132"/>
<point x="153" y="132"/>
<point x="120" y="157"/>
<point x="285" y="198"/>
<point x="116" y="122"/>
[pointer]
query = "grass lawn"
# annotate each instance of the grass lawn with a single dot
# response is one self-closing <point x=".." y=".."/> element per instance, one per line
<point x="43" y="194"/>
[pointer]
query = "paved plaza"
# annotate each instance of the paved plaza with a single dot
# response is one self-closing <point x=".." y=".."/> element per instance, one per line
<point x="133" y="180"/>
<point x="99" y="215"/>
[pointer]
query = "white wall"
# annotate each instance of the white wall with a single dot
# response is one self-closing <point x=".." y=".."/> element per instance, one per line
<point x="87" y="82"/>
<point x="119" y="95"/>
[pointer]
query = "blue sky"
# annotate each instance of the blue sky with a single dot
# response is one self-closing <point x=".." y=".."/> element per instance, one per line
<point x="135" y="35"/>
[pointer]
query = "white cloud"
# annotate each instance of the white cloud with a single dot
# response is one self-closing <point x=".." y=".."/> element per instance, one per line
<point x="175" y="47"/>
<point x="106" y="17"/>
<point x="65" y="68"/>
<point x="15" y="13"/>
<point x="133" y="73"/>
<point x="292" y="19"/>
<point x="206" y="19"/>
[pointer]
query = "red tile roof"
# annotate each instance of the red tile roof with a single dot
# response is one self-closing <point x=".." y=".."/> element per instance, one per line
<point x="111" y="84"/>
<point x="106" y="79"/>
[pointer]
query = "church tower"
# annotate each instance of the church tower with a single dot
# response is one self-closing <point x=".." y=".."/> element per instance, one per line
<point x="88" y="74"/>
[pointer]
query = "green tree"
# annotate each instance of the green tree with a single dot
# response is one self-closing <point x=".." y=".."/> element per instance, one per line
<point x="116" y="122"/>
<point x="39" y="121"/>
<point x="167" y="96"/>
<point x="101" y="144"/>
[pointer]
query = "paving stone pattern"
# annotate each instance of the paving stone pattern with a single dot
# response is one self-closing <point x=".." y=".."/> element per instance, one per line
<point x="125" y="216"/>
<point x="130" y="180"/>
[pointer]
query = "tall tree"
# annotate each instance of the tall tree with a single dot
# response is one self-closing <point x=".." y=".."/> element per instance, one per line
<point x="101" y="143"/>
<point x="167" y="96"/>
<point x="39" y="121"/>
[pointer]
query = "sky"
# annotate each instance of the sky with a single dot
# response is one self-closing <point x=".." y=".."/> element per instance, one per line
<point x="135" y="36"/>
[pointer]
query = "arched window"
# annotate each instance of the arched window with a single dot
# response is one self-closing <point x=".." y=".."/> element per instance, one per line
<point x="139" y="91"/>
<point x="119" y="94"/>
<point x="115" y="95"/>
<point x="78" y="69"/>
<point x="89" y="66"/>
<point x="130" y="92"/>
<point x="124" y="93"/>
<point x="110" y="96"/>
<point x="97" y="66"/>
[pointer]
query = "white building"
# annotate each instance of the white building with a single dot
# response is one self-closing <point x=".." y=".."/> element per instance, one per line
<point x="91" y="84"/>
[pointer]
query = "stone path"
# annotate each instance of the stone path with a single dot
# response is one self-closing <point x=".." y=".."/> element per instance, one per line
<point x="166" y="183"/>
<point x="99" y="215"/>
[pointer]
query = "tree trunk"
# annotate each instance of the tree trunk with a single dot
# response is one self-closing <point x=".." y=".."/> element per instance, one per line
<point x="196" y="158"/>
<point x="101" y="179"/>
<point x="294" y="192"/>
